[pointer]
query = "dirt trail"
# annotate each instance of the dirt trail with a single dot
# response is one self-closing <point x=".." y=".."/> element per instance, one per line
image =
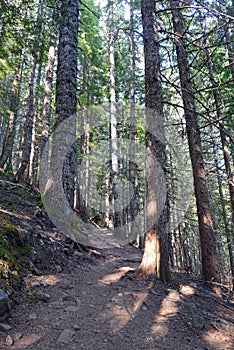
<point x="101" y="305"/>
<point x="94" y="300"/>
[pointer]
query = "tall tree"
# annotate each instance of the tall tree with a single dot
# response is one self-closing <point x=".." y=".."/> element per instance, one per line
<point x="66" y="85"/>
<point x="155" y="261"/>
<point x="209" y="260"/>
<point x="28" y="124"/>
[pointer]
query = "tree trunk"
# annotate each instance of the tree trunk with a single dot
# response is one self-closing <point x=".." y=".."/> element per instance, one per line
<point x="115" y="219"/>
<point x="155" y="261"/>
<point x="46" y="114"/>
<point x="210" y="265"/>
<point x="66" y="86"/>
<point x="28" y="125"/>
<point x="225" y="149"/>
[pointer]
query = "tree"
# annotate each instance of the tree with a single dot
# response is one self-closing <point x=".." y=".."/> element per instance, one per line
<point x="66" y="85"/>
<point x="155" y="259"/>
<point x="209" y="260"/>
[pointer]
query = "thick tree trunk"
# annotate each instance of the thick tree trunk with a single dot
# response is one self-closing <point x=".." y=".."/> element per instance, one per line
<point x="209" y="260"/>
<point x="66" y="87"/>
<point x="155" y="259"/>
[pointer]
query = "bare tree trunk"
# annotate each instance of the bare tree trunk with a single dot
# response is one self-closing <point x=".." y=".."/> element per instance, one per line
<point x="115" y="220"/>
<point x="134" y="204"/>
<point x="209" y="260"/>
<point x="46" y="114"/>
<point x="155" y="261"/>
<point x="14" y="105"/>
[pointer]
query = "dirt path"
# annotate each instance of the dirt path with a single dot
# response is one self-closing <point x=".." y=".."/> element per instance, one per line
<point x="94" y="301"/>
<point x="100" y="305"/>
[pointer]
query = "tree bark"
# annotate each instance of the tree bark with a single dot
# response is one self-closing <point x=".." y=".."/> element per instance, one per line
<point x="66" y="86"/>
<point x="210" y="265"/>
<point x="155" y="261"/>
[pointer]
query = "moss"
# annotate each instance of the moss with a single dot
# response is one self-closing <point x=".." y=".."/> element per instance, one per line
<point x="13" y="250"/>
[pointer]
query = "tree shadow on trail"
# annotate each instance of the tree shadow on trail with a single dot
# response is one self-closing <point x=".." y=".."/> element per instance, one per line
<point x="182" y="314"/>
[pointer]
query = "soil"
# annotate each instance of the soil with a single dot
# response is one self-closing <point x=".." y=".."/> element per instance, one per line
<point x="93" y="299"/>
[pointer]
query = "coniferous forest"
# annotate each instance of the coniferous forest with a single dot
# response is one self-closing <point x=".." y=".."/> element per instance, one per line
<point x="119" y="116"/>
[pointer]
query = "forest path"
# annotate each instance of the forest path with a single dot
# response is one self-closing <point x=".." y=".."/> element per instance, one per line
<point x="94" y="300"/>
<point x="101" y="305"/>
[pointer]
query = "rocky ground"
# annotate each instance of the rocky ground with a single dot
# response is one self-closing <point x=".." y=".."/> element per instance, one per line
<point x="66" y="297"/>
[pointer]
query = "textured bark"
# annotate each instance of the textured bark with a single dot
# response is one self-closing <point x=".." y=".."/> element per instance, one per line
<point x="28" y="125"/>
<point x="210" y="265"/>
<point x="66" y="86"/>
<point x="155" y="259"/>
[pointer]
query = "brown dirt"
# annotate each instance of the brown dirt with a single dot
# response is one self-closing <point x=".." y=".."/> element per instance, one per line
<point x="96" y="301"/>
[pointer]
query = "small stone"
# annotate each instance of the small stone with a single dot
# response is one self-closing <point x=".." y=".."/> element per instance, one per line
<point x="5" y="327"/>
<point x="26" y="225"/>
<point x="65" y="284"/>
<point x="72" y="309"/>
<point x="18" y="336"/>
<point x="58" y="268"/>
<point x="144" y="308"/>
<point x="36" y="284"/>
<point x="9" y="340"/>
<point x="66" y="336"/>
<point x="43" y="296"/>
<point x="76" y="327"/>
<point x="33" y="316"/>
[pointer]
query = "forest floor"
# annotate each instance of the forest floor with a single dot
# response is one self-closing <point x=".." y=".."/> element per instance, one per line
<point x="93" y="300"/>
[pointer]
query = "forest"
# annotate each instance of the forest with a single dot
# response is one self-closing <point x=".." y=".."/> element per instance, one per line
<point x="116" y="174"/>
<point x="119" y="113"/>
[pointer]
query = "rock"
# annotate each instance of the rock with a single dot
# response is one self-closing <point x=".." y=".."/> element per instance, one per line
<point x="35" y="256"/>
<point x="65" y="284"/>
<point x="18" y="336"/>
<point x="144" y="308"/>
<point x="32" y="316"/>
<point x="9" y="340"/>
<point x="36" y="284"/>
<point x="58" y="268"/>
<point x="26" y="225"/>
<point x="72" y="309"/>
<point x="5" y="327"/>
<point x="43" y="296"/>
<point x="76" y="327"/>
<point x="66" y="336"/>
<point x="5" y="307"/>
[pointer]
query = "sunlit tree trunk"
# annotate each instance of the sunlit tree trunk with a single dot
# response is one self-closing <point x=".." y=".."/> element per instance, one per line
<point x="210" y="265"/>
<point x="155" y="261"/>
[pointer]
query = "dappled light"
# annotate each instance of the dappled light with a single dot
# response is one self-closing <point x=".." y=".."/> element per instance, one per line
<point x="116" y="276"/>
